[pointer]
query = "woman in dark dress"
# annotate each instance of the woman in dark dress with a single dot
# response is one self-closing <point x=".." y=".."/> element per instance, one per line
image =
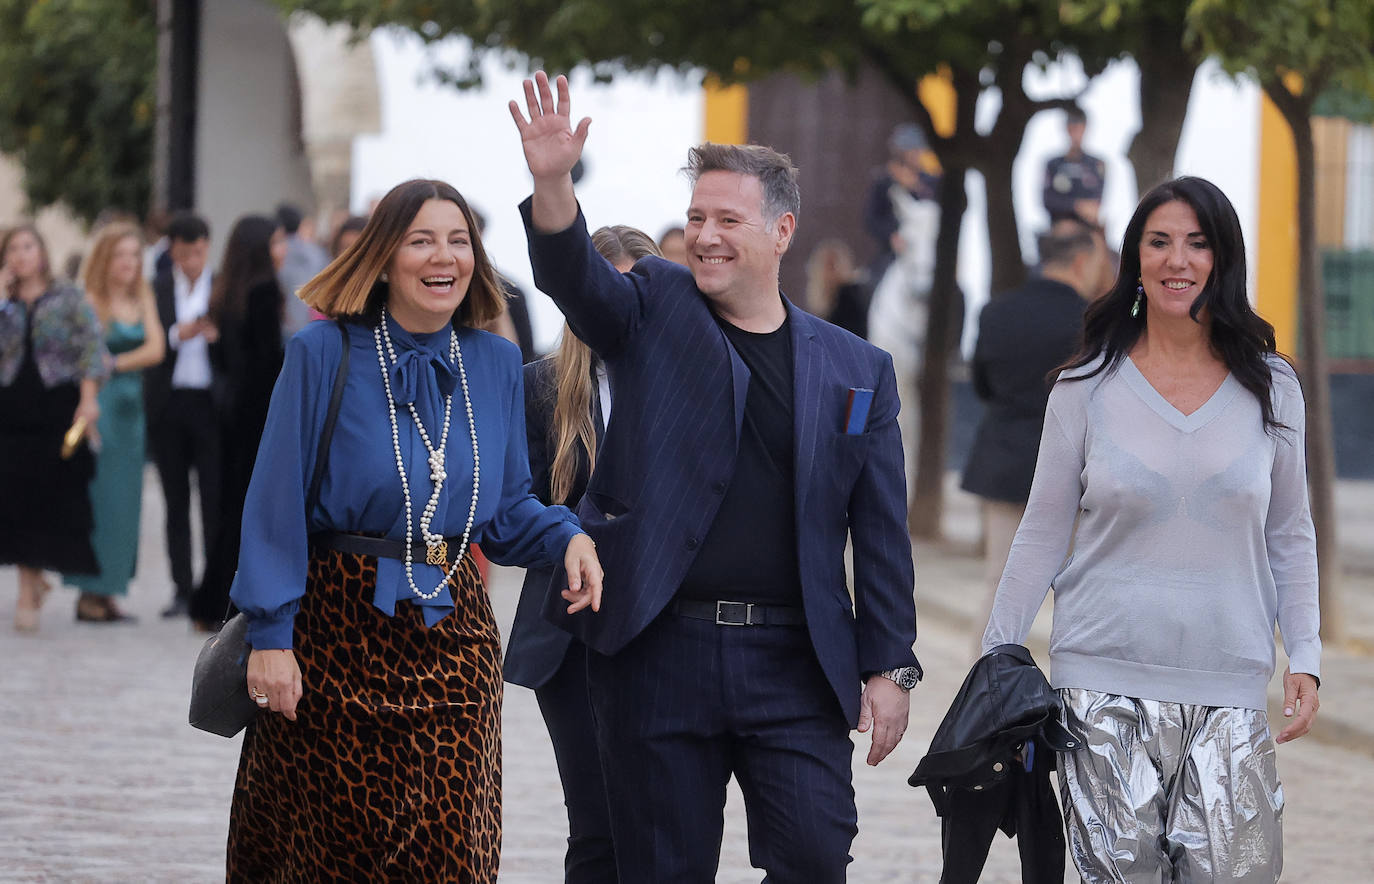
<point x="52" y="361"/>
<point x="375" y="655"/>
<point x="567" y="406"/>
<point x="246" y="306"/>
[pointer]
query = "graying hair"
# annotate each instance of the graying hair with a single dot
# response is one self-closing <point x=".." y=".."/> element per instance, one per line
<point x="781" y="193"/>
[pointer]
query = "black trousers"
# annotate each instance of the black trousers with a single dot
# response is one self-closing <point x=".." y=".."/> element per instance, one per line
<point x="1023" y="805"/>
<point x="686" y="705"/>
<point x="566" y="706"/>
<point x="186" y="437"/>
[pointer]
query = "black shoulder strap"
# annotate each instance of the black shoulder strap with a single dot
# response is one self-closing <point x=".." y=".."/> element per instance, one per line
<point x="327" y="434"/>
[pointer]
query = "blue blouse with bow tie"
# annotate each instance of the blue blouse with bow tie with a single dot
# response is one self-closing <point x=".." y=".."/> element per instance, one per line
<point x="361" y="491"/>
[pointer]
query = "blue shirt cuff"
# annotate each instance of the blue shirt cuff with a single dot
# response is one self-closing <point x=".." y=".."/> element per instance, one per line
<point x="277" y="631"/>
<point x="557" y="542"/>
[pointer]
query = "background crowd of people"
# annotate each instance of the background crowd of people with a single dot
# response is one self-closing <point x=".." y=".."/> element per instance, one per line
<point x="222" y="374"/>
<point x="146" y="353"/>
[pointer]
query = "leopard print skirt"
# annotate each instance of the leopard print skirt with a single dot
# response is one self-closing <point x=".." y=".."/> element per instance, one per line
<point x="392" y="770"/>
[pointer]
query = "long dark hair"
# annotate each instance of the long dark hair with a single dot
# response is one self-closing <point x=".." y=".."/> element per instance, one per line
<point x="247" y="263"/>
<point x="1239" y="336"/>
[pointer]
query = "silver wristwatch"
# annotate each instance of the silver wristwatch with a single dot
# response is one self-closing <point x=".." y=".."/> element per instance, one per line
<point x="905" y="677"/>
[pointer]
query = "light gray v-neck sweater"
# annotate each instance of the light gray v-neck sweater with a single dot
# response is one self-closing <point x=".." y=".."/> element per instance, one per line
<point x="1193" y="538"/>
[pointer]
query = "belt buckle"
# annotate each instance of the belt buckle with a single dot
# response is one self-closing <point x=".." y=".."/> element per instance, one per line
<point x="743" y="614"/>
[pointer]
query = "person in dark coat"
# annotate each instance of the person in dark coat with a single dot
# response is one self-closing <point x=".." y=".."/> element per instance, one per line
<point x="749" y="445"/>
<point x="567" y="407"/>
<point x="1074" y="181"/>
<point x="246" y="306"/>
<point x="1023" y="335"/>
<point x="183" y="432"/>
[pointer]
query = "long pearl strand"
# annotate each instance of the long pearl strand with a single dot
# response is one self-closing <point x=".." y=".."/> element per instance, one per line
<point x="434" y="543"/>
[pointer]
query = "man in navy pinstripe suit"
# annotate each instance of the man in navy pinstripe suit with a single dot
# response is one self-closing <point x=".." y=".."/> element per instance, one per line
<point x="733" y="471"/>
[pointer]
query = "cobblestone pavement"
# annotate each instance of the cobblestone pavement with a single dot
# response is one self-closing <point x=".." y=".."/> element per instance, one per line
<point x="102" y="780"/>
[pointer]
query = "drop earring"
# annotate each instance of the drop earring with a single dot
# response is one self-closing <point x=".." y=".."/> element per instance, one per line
<point x="1139" y="296"/>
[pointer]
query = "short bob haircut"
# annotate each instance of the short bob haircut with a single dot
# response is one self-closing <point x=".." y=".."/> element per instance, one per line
<point x="351" y="287"/>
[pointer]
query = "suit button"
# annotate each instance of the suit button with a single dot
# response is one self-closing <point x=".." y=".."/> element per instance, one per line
<point x="692" y="543"/>
<point x="718" y="487"/>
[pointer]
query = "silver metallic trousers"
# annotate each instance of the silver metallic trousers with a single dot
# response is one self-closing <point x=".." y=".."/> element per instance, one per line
<point x="1165" y="792"/>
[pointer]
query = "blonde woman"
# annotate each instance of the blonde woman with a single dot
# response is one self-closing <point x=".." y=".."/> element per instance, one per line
<point x="123" y="301"/>
<point x="834" y="289"/>
<point x="567" y="405"/>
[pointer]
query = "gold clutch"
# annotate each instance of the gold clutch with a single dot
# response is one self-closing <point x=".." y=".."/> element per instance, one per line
<point x="72" y="438"/>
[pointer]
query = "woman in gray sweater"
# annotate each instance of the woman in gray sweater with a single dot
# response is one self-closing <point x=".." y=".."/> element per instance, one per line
<point x="1169" y="513"/>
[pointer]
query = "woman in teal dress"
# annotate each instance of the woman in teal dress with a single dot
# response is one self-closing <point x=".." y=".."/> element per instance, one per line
<point x="123" y="301"/>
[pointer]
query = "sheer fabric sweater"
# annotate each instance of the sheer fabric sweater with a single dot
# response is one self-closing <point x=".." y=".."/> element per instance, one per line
<point x="1193" y="538"/>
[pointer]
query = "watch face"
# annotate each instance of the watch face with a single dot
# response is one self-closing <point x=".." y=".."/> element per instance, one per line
<point x="905" y="677"/>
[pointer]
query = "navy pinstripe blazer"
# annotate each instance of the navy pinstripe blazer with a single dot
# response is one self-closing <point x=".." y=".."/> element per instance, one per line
<point x="670" y="449"/>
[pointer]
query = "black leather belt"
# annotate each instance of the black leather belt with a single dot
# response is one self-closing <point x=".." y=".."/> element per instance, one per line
<point x="724" y="613"/>
<point x="363" y="545"/>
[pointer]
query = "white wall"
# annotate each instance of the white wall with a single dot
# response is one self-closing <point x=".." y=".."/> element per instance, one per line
<point x="248" y="153"/>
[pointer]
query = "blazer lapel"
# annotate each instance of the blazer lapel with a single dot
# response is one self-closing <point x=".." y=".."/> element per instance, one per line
<point x="598" y="419"/>
<point x="740" y="375"/>
<point x="807" y="371"/>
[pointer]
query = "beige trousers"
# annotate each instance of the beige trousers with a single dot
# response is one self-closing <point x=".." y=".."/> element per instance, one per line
<point x="1000" y="521"/>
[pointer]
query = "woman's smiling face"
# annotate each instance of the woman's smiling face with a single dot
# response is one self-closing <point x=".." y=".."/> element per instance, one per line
<point x="1175" y="260"/>
<point x="429" y="273"/>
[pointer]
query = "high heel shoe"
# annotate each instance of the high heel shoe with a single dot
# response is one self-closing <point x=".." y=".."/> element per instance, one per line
<point x="91" y="608"/>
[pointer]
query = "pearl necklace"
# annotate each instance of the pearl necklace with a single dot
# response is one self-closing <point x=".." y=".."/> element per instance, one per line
<point x="436" y="547"/>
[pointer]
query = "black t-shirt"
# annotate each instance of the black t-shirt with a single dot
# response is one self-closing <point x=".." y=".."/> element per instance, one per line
<point x="750" y="552"/>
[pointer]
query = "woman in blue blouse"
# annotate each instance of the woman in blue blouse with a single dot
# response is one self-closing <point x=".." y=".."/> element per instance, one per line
<point x="374" y="646"/>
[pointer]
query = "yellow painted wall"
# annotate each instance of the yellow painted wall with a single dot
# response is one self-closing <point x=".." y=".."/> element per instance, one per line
<point x="937" y="94"/>
<point x="727" y="113"/>
<point x="1276" y="264"/>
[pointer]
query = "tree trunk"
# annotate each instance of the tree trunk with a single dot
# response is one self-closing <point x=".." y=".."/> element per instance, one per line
<point x="1004" y="240"/>
<point x="1166" y="83"/>
<point x="1321" y="458"/>
<point x="925" y="515"/>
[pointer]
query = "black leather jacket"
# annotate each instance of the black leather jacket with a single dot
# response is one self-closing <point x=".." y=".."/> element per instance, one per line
<point x="989" y="767"/>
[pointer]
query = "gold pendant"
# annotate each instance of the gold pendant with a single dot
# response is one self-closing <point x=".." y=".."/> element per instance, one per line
<point x="437" y="554"/>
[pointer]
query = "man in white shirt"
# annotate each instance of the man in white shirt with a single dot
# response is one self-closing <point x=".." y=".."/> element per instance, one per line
<point x="183" y="431"/>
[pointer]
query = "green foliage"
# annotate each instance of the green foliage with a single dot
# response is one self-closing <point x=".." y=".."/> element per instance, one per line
<point x="77" y="102"/>
<point x="1324" y="42"/>
<point x="729" y="37"/>
<point x="1358" y="107"/>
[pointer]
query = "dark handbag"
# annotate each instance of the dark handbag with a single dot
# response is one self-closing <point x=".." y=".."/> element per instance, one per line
<point x="219" y="687"/>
